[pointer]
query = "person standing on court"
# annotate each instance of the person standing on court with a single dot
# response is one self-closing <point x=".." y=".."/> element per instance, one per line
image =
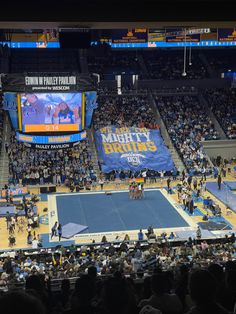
<point x="54" y="230"/>
<point x="101" y="182"/>
<point x="219" y="180"/>
<point x="59" y="231"/>
<point x="140" y="235"/>
<point x="198" y="233"/>
<point x="144" y="175"/>
<point x="168" y="185"/>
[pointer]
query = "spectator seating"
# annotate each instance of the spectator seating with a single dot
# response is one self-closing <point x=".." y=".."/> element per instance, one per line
<point x="221" y="60"/>
<point x="222" y="102"/>
<point x="188" y="124"/>
<point x="43" y="60"/>
<point x="167" y="64"/>
<point x="31" y="166"/>
<point x="141" y="274"/>
<point x="115" y="62"/>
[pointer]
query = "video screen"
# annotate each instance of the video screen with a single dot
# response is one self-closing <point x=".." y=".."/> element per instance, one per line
<point x="51" y="112"/>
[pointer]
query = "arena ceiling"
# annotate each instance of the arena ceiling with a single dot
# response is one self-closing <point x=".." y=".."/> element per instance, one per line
<point x="103" y="14"/>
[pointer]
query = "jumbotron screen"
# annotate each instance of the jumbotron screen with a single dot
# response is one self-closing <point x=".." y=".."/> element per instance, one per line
<point x="51" y="112"/>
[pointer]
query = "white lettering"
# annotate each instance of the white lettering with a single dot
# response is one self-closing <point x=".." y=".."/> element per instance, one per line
<point x="147" y="135"/>
<point x="128" y="137"/>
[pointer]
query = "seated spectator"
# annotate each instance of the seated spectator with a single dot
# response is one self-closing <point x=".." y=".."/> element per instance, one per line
<point x="81" y="301"/>
<point x="202" y="288"/>
<point x="20" y="302"/>
<point x="161" y="299"/>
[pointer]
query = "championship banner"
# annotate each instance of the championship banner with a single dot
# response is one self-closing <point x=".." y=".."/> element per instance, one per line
<point x="132" y="149"/>
<point x="174" y="35"/>
<point x="135" y="35"/>
<point x="226" y="34"/>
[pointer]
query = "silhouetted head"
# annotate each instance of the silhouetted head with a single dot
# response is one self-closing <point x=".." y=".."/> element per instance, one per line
<point x="202" y="286"/>
<point x="19" y="302"/>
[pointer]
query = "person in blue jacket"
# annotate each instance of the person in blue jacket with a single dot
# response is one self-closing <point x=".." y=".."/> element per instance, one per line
<point x="64" y="115"/>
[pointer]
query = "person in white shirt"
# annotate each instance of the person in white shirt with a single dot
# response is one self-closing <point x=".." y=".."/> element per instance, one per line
<point x="144" y="175"/>
<point x="34" y="243"/>
<point x="161" y="177"/>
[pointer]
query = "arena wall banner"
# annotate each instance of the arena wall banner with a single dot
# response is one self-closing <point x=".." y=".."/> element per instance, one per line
<point x="44" y="82"/>
<point x="51" y="146"/>
<point x="51" y="140"/>
<point x="132" y="149"/>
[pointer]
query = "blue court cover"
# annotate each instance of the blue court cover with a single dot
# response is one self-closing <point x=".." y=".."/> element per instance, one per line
<point x="231" y="184"/>
<point x="71" y="229"/>
<point x="192" y="233"/>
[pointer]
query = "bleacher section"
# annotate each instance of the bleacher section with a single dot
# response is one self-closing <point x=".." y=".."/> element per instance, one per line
<point x="188" y="124"/>
<point x="30" y="166"/>
<point x="168" y="65"/>
<point x="222" y="102"/>
<point x="44" y="60"/>
<point x="115" y="62"/>
<point x="221" y="60"/>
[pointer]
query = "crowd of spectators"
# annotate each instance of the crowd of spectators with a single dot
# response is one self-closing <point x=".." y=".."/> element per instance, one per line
<point x="71" y="166"/>
<point x="222" y="103"/>
<point x="221" y="60"/>
<point x="168" y="65"/>
<point x="169" y="277"/>
<point x="1" y="122"/>
<point x="114" y="62"/>
<point x="188" y="124"/>
<point x="106" y="90"/>
<point x="124" y="111"/>
<point x="44" y="60"/>
<point x="1" y="128"/>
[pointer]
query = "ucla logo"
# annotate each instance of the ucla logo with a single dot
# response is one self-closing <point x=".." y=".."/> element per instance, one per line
<point x="134" y="159"/>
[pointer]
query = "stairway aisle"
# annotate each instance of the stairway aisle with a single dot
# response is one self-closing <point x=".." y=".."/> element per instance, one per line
<point x="82" y="59"/>
<point x="4" y="161"/>
<point x="143" y="65"/>
<point x="90" y="136"/>
<point x="175" y="156"/>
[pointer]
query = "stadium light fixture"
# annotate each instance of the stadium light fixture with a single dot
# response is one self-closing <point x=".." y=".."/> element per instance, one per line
<point x="190" y="52"/>
<point x="184" y="69"/>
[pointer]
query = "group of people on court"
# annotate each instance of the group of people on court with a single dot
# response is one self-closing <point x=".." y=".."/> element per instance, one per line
<point x="136" y="190"/>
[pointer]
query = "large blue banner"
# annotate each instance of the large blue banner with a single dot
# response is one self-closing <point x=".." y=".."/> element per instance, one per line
<point x="132" y="149"/>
